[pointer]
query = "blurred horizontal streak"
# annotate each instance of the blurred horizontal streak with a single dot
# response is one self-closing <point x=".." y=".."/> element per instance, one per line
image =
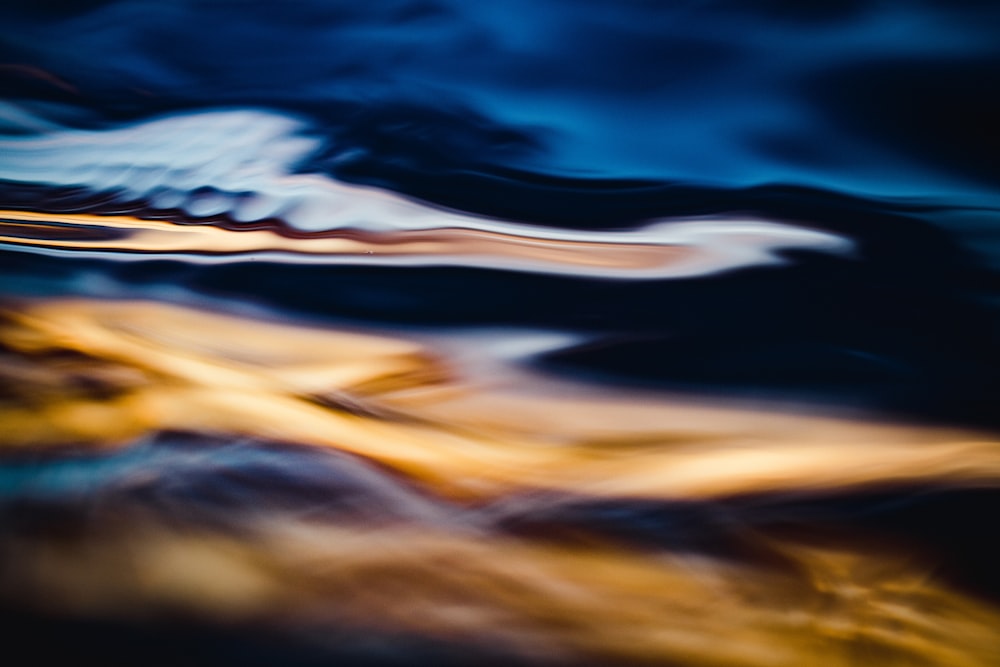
<point x="466" y="432"/>
<point x="678" y="249"/>
<point x="443" y="245"/>
<point x="546" y="603"/>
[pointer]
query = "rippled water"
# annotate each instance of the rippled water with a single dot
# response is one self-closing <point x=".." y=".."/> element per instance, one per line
<point x="542" y="333"/>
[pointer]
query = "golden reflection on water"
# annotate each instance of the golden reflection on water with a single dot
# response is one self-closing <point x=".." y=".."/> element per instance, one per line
<point x="137" y="235"/>
<point x="106" y="373"/>
<point x="548" y="603"/>
<point x="393" y="400"/>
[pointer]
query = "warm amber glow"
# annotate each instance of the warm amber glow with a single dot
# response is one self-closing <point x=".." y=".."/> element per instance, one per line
<point x="104" y="373"/>
<point x="592" y="605"/>
<point x="409" y="407"/>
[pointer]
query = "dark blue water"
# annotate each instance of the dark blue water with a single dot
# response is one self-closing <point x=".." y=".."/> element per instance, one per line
<point x="873" y="120"/>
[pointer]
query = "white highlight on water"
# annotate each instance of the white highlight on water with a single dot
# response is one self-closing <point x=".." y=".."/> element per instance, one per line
<point x="242" y="163"/>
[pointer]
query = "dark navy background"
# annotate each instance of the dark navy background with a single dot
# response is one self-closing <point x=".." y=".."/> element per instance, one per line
<point x="886" y="98"/>
<point x="873" y="119"/>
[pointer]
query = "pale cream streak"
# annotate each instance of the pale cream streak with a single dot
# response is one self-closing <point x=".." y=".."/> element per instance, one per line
<point x="152" y="236"/>
<point x="677" y="249"/>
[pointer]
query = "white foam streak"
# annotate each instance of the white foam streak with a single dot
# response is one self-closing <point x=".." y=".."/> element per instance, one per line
<point x="242" y="163"/>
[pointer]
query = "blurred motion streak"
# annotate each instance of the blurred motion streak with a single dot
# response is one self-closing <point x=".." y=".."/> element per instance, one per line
<point x="392" y="400"/>
<point x="541" y="602"/>
<point x="105" y="374"/>
<point x="680" y="248"/>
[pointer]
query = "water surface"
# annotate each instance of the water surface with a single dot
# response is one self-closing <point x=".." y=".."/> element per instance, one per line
<point x="545" y="333"/>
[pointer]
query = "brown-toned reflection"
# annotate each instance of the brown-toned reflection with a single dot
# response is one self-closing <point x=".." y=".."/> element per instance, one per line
<point x="156" y="236"/>
<point x="104" y="373"/>
<point x="547" y="603"/>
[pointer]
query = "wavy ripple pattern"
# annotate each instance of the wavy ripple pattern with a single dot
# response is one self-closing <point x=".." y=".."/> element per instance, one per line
<point x="540" y="333"/>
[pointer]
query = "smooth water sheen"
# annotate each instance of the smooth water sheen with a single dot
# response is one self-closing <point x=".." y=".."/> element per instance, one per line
<point x="526" y="333"/>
